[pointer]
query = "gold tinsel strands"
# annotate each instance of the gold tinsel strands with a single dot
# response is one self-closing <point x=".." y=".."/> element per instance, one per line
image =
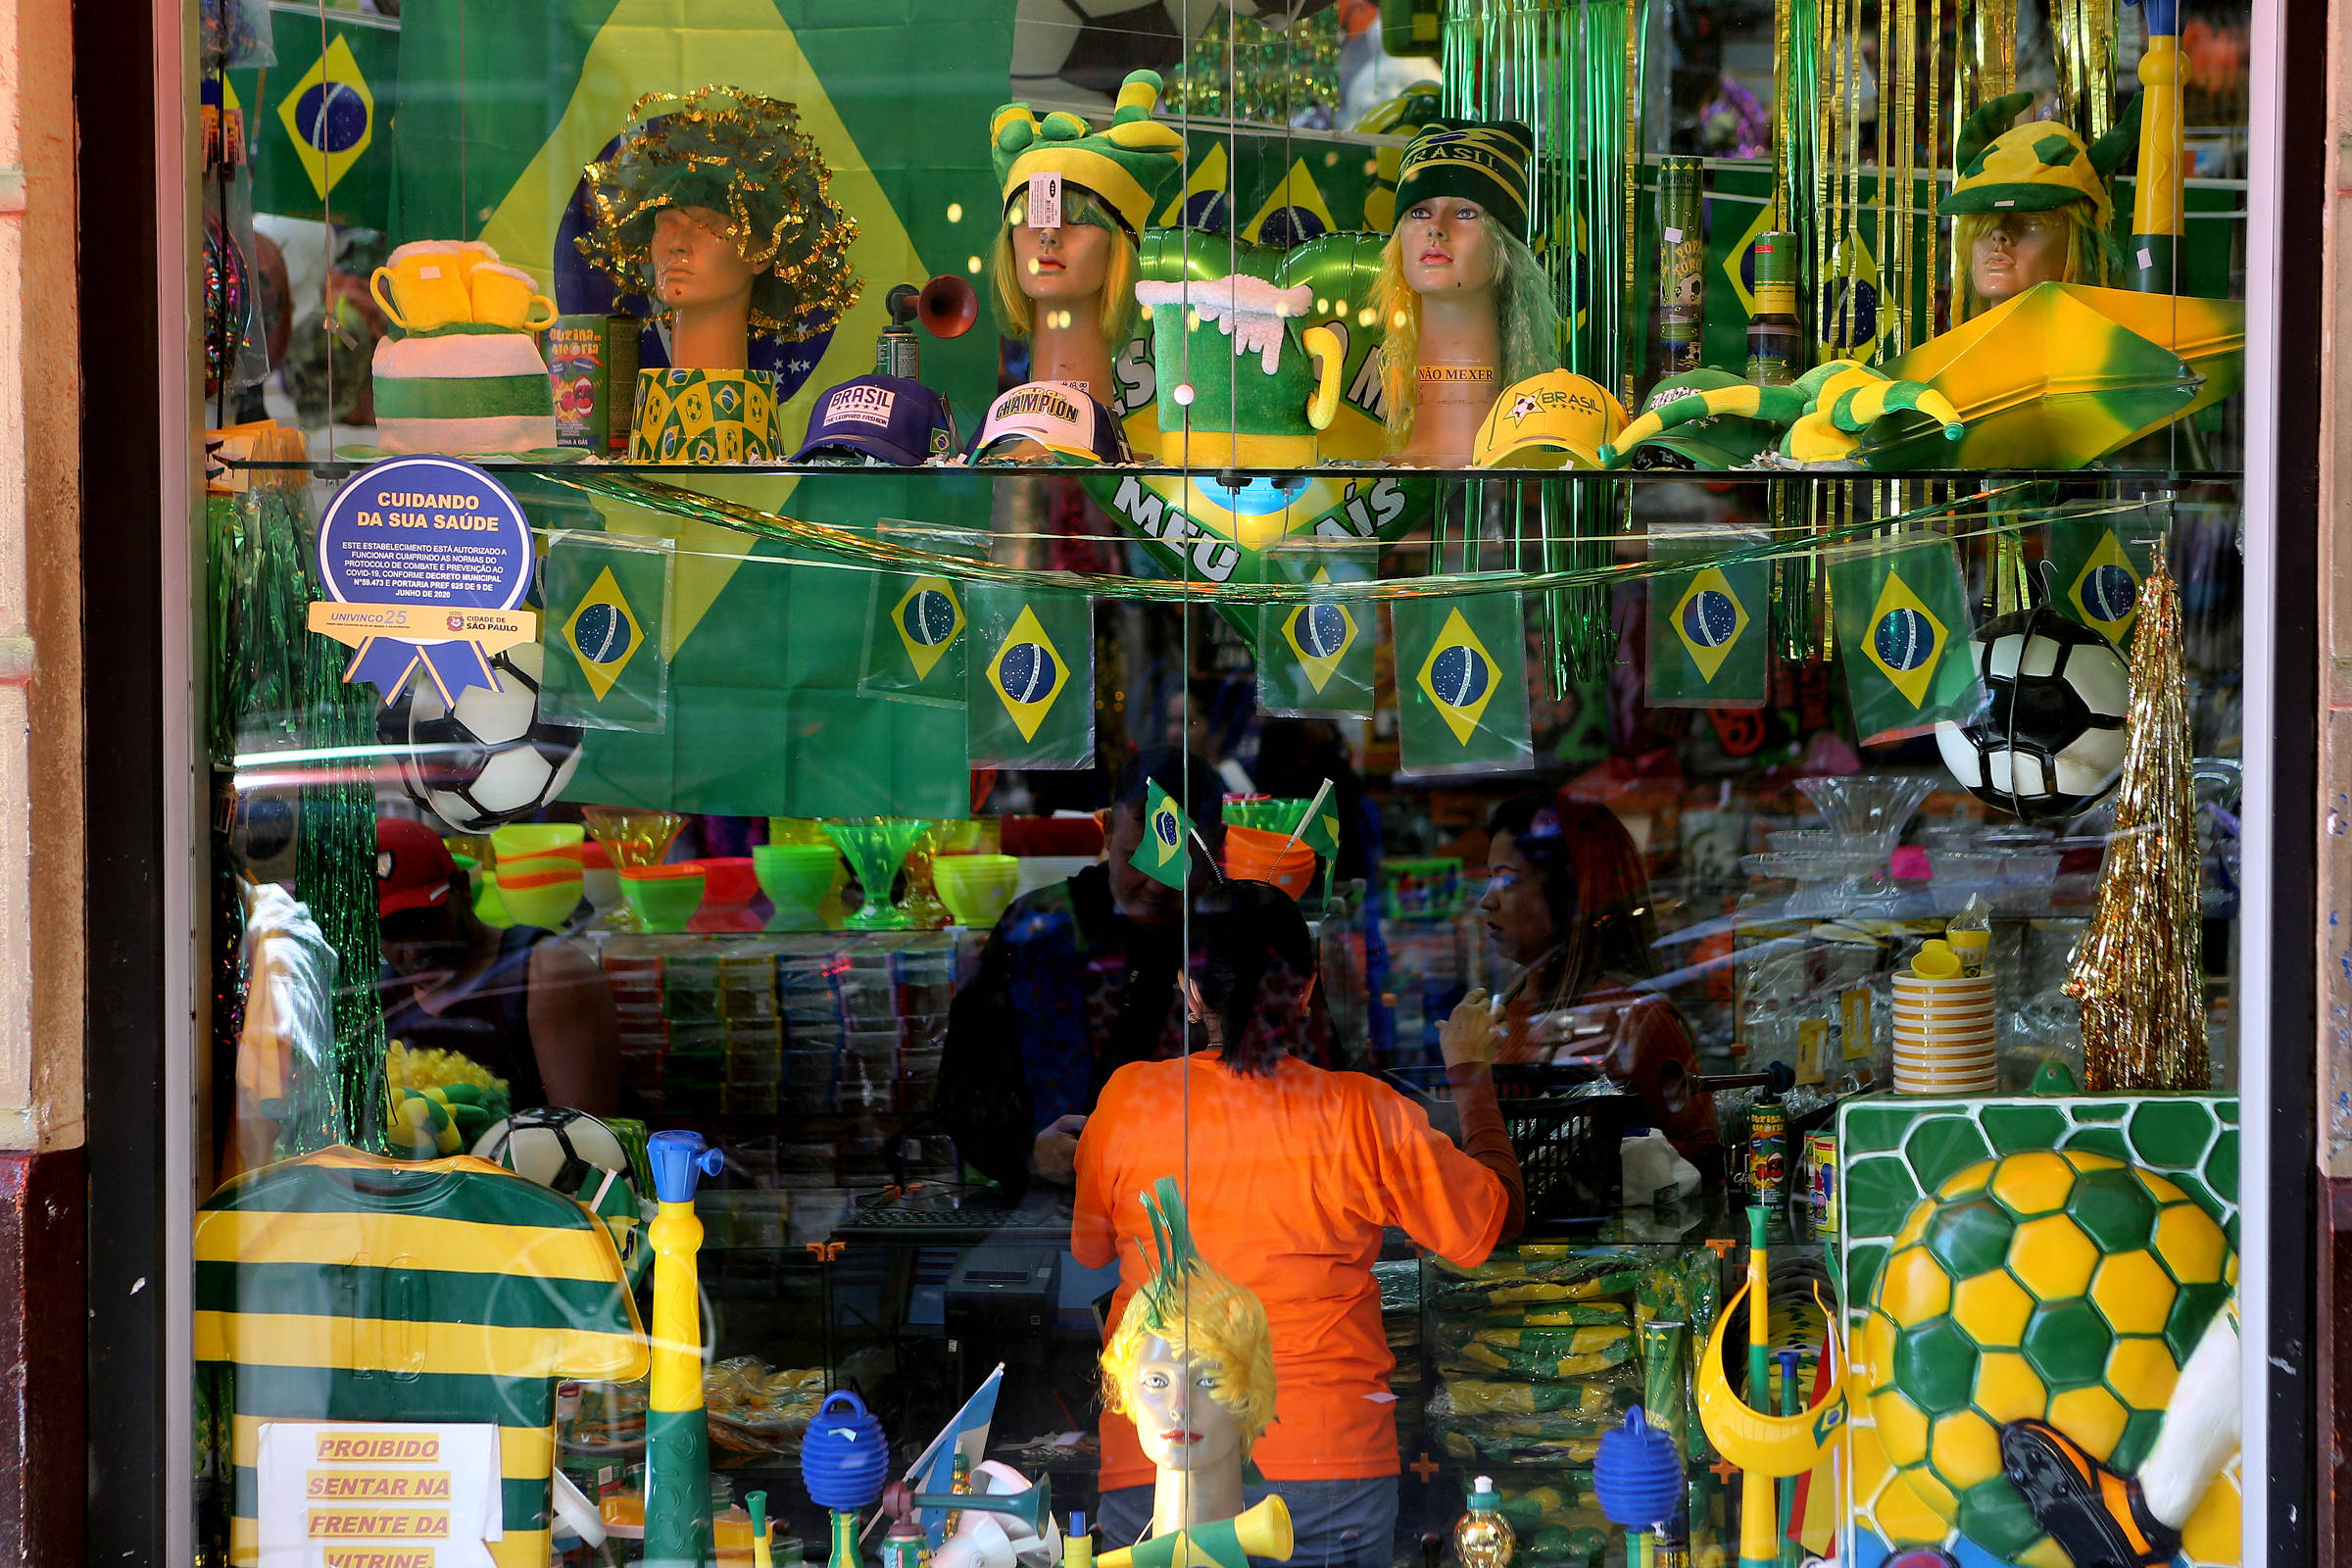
<point x="2137" y="969"/>
<point x="2083" y="48"/>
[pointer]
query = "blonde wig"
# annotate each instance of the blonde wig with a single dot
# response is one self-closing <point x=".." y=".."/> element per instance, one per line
<point x="2086" y="253"/>
<point x="1216" y="1322"/>
<point x="1527" y="320"/>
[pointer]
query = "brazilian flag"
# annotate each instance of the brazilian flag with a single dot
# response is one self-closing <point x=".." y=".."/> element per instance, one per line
<point x="607" y="606"/>
<point x="1461" y="684"/>
<point x="319" y="123"/>
<point x="1902" y="624"/>
<point x="1314" y="656"/>
<point x="771" y="710"/>
<point x="2098" y="563"/>
<point x="916" y="623"/>
<point x="1707" y="623"/>
<point x="1032" y="677"/>
<point x="1166" y="853"/>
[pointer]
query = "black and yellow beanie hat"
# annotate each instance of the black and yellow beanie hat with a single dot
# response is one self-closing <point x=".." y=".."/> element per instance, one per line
<point x="1132" y="164"/>
<point x="2037" y="166"/>
<point x="1487" y="161"/>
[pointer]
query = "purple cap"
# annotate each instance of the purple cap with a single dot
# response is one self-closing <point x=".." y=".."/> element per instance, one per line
<point x="885" y="416"/>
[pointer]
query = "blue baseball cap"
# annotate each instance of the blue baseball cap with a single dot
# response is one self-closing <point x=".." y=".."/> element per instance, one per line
<point x="1056" y="415"/>
<point x="887" y="416"/>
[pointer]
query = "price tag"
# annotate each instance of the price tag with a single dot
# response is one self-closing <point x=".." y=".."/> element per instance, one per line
<point x="1045" y="201"/>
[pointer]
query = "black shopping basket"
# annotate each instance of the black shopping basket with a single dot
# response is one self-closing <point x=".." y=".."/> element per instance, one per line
<point x="1565" y="1124"/>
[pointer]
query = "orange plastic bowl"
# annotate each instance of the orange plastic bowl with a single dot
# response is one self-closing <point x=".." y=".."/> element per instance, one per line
<point x="1254" y="854"/>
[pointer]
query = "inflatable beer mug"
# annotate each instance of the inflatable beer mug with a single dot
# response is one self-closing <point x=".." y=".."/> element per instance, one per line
<point x="1253" y="350"/>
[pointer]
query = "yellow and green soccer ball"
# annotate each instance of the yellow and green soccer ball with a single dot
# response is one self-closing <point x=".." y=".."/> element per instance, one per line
<point x="2065" y="1286"/>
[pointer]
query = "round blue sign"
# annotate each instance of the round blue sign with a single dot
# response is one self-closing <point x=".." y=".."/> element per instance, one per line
<point x="425" y="531"/>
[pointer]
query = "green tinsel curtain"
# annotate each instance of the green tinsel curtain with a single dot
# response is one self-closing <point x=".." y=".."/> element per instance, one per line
<point x="275" y="685"/>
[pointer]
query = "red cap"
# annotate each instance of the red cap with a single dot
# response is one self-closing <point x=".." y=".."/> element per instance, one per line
<point x="412" y="866"/>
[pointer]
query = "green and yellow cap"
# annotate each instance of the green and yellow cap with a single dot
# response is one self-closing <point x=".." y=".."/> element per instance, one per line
<point x="1131" y="163"/>
<point x="1482" y="161"/>
<point x="2034" y="167"/>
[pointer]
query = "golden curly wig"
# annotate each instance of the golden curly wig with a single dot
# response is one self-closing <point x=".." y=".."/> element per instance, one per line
<point x="742" y="156"/>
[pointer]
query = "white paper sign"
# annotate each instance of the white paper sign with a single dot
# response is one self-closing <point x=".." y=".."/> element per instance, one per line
<point x="1045" y="201"/>
<point x="377" y="1495"/>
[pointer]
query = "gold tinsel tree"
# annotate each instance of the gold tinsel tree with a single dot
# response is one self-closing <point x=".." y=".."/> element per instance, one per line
<point x="2136" y="971"/>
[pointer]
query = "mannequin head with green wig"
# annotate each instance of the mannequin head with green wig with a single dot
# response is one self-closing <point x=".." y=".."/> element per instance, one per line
<point x="714" y="205"/>
<point x="1465" y="307"/>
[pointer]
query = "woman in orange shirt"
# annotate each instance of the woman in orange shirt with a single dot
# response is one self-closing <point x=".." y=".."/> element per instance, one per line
<point x="1290" y="1173"/>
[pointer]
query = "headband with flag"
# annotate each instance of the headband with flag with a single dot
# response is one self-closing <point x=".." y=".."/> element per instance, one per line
<point x="1165" y="855"/>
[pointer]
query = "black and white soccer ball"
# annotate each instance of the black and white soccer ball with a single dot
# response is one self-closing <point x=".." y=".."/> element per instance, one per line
<point x="2050" y="739"/>
<point x="1073" y="54"/>
<point x="494" y="757"/>
<point x="571" y="1153"/>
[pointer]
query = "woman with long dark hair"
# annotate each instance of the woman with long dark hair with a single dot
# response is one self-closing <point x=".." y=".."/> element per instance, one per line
<point x="1567" y="902"/>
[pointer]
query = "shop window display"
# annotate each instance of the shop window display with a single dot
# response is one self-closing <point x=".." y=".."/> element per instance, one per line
<point x="1232" y="776"/>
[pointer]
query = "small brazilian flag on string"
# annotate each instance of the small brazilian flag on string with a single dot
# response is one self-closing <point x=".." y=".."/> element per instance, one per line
<point x="1314" y="656"/>
<point x="1166" y="853"/>
<point x="2097" y="563"/>
<point x="1320" y="832"/>
<point x="1031" y="678"/>
<point x="1461" y="684"/>
<point x="916" y="624"/>
<point x="607" y="607"/>
<point x="1902" y="634"/>
<point x="1707" y="622"/>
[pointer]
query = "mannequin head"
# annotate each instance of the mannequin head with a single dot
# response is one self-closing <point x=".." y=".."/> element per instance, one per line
<point x="1178" y="1400"/>
<point x="1090" y="259"/>
<point x="2030" y="205"/>
<point x="1445" y="243"/>
<point x="695" y="264"/>
<point x="715" y="202"/>
<point x="2001" y="254"/>
<point x="1199" y="1383"/>
<point x="1459" y="255"/>
<point x="1113" y="181"/>
<point x="1482" y="260"/>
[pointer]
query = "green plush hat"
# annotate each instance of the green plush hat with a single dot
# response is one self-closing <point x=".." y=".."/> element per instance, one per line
<point x="742" y="156"/>
<point x="2037" y="166"/>
<point x="1482" y="161"/>
<point x="1716" y="441"/>
<point x="1131" y="163"/>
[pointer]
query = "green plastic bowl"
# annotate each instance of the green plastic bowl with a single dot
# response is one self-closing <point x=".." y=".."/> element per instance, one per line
<point x="664" y="897"/>
<point x="795" y="877"/>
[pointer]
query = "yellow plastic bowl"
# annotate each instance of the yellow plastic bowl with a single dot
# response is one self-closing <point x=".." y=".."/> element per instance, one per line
<point x="977" y="889"/>
<point x="519" y="841"/>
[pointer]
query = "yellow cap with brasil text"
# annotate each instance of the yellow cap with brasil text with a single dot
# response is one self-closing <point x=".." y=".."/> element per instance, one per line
<point x="1559" y="419"/>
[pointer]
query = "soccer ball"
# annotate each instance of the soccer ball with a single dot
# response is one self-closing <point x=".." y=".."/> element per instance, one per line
<point x="2050" y="740"/>
<point x="2067" y="1288"/>
<point x="1073" y="54"/>
<point x="492" y="758"/>
<point x="569" y="1151"/>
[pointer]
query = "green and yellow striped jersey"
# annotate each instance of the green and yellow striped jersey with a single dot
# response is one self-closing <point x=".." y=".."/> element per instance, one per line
<point x="344" y="1287"/>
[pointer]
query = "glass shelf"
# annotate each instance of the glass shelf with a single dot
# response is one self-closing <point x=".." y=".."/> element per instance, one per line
<point x="343" y="468"/>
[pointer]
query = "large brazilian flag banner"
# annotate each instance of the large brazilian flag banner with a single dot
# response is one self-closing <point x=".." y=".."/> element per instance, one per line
<point x="502" y="104"/>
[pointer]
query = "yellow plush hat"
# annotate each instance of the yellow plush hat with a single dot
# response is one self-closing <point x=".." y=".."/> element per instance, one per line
<point x="2037" y="166"/>
<point x="1130" y="164"/>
